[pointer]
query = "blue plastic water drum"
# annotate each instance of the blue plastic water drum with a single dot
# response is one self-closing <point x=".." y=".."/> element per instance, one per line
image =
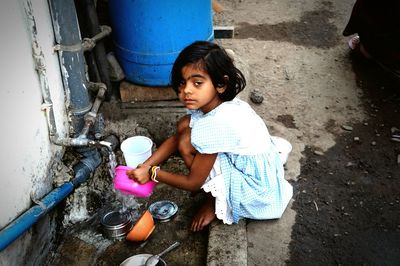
<point x="149" y="35"/>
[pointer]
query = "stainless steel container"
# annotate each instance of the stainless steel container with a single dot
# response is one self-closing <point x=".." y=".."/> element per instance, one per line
<point x="164" y="210"/>
<point x="116" y="225"/>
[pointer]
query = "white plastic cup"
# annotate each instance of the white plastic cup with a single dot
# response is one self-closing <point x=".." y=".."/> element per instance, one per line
<point x="136" y="150"/>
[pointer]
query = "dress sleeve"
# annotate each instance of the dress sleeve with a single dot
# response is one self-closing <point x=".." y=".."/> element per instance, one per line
<point x="230" y="130"/>
<point x="212" y="135"/>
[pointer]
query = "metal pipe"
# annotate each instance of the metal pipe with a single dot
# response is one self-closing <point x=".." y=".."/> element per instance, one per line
<point x="67" y="35"/>
<point x="70" y="51"/>
<point x="40" y="67"/>
<point x="76" y="93"/>
<point x="101" y="90"/>
<point x="73" y="142"/>
<point x="90" y="117"/>
<point x="105" y="31"/>
<point x="92" y="28"/>
<point x="90" y="43"/>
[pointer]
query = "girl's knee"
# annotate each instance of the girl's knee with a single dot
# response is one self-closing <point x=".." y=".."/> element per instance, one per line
<point x="184" y="142"/>
<point x="183" y="124"/>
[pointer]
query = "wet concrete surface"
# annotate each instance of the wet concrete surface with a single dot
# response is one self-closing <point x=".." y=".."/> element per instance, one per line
<point x="84" y="243"/>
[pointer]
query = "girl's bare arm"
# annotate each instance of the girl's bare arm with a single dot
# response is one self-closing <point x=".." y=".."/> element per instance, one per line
<point x="200" y="169"/>
<point x="169" y="146"/>
<point x="166" y="149"/>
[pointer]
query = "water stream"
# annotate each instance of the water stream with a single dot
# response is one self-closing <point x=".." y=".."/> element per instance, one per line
<point x="112" y="163"/>
<point x="128" y="202"/>
<point x="112" y="159"/>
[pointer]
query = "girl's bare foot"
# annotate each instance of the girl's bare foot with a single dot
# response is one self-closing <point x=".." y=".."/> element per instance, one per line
<point x="205" y="215"/>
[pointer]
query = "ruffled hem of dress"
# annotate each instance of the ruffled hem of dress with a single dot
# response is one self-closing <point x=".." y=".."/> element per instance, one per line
<point x="216" y="187"/>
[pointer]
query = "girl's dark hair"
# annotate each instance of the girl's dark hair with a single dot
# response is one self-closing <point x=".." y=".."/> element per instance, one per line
<point x="216" y="62"/>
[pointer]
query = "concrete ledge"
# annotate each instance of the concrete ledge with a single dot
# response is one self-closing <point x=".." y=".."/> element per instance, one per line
<point x="159" y="105"/>
<point x="227" y="244"/>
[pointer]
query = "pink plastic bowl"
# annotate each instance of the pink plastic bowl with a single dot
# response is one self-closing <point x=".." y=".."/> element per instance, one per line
<point x="128" y="186"/>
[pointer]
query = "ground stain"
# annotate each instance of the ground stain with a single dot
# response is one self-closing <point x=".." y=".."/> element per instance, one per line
<point x="313" y="30"/>
<point x="286" y="120"/>
<point x="331" y="126"/>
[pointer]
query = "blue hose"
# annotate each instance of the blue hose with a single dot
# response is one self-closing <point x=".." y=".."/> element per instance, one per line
<point x="31" y="216"/>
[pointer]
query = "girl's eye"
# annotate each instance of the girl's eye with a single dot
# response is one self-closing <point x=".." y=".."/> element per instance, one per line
<point x="197" y="83"/>
<point x="182" y="84"/>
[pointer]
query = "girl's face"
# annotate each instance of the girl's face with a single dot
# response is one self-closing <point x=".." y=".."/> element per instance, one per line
<point x="197" y="91"/>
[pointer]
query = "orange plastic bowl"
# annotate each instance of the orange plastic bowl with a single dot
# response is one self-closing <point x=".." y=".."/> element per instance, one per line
<point x="142" y="228"/>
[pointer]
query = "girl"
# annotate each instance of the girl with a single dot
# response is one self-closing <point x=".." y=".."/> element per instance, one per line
<point x="223" y="142"/>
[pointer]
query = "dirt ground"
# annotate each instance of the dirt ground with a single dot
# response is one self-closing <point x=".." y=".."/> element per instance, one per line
<point x="347" y="200"/>
<point x="337" y="109"/>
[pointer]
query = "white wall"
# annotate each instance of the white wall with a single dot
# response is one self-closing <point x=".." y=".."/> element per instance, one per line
<point x="25" y="150"/>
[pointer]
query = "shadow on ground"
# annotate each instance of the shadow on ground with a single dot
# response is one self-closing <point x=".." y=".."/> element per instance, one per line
<point x="348" y="199"/>
<point x="314" y="29"/>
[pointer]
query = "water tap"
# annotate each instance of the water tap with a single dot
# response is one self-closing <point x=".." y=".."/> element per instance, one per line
<point x="107" y="147"/>
<point x="106" y="144"/>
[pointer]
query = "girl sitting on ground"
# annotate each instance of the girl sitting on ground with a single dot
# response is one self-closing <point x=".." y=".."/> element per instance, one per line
<point x="223" y="142"/>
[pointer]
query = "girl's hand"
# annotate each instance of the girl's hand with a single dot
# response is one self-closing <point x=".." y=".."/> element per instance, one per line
<point x="140" y="174"/>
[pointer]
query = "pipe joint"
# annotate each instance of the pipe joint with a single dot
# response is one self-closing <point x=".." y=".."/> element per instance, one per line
<point x="86" y="166"/>
<point x="90" y="118"/>
<point x="80" y="141"/>
<point x="89" y="43"/>
<point x="96" y="86"/>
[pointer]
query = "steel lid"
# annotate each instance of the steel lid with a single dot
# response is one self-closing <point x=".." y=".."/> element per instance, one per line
<point x="116" y="220"/>
<point x="163" y="210"/>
